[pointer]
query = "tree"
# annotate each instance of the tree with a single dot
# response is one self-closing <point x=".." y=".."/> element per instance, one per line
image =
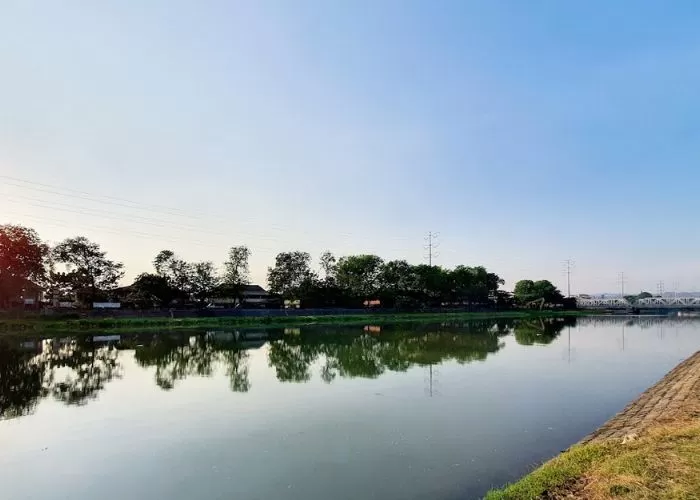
<point x="203" y="281"/>
<point x="236" y="270"/>
<point x="291" y="271"/>
<point x="87" y="265"/>
<point x="174" y="269"/>
<point x="328" y="264"/>
<point x="527" y="290"/>
<point x="149" y="289"/>
<point x="22" y="258"/>
<point x="359" y="275"/>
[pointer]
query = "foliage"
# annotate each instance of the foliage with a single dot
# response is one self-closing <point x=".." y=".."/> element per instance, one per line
<point x="194" y="280"/>
<point x="527" y="291"/>
<point x="236" y="270"/>
<point x="328" y="266"/>
<point x="87" y="266"/>
<point x="291" y="273"/>
<point x="203" y="281"/>
<point x="22" y="258"/>
<point x="151" y="290"/>
<point x="359" y="275"/>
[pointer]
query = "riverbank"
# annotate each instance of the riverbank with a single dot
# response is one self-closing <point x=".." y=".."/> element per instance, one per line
<point x="94" y="325"/>
<point x="650" y="450"/>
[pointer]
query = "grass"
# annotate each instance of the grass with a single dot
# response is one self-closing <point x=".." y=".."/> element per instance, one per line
<point x="662" y="464"/>
<point x="48" y="325"/>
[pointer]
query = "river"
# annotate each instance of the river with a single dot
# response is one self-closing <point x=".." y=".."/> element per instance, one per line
<point x="405" y="411"/>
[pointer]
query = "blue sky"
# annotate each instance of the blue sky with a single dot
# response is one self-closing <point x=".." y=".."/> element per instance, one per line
<point x="525" y="133"/>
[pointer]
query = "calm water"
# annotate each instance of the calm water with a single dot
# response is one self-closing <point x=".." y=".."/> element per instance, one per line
<point x="397" y="412"/>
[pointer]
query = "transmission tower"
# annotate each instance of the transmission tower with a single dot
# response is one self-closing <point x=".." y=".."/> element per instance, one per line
<point x="568" y="264"/>
<point x="622" y="280"/>
<point x="660" y="288"/>
<point x="430" y="247"/>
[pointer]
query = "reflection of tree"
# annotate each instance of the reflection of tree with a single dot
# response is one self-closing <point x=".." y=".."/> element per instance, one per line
<point x="237" y="369"/>
<point x="178" y="358"/>
<point x="73" y="372"/>
<point x="540" y="331"/>
<point x="20" y="383"/>
<point x="77" y="370"/>
<point x="353" y="353"/>
<point x="291" y="361"/>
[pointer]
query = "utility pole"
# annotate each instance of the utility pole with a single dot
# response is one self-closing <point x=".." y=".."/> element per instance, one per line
<point x="569" y="264"/>
<point x="431" y="246"/>
<point x="621" y="278"/>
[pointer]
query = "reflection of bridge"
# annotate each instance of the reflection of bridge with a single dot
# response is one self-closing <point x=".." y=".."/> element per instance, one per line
<point x="639" y="321"/>
<point x="649" y="303"/>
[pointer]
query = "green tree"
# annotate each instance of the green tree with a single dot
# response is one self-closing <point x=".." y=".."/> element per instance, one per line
<point x="359" y="275"/>
<point x="527" y="291"/>
<point x="292" y="270"/>
<point x="328" y="266"/>
<point x="203" y="281"/>
<point x="236" y="270"/>
<point x="152" y="289"/>
<point x="22" y="257"/>
<point x="87" y="265"/>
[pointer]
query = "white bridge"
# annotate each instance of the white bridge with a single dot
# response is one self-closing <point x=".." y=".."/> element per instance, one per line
<point x="649" y="303"/>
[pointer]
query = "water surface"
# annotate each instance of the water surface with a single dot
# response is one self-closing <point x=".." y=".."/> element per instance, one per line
<point x="392" y="412"/>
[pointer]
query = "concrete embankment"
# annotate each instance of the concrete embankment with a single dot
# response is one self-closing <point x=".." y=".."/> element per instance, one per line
<point x="674" y="397"/>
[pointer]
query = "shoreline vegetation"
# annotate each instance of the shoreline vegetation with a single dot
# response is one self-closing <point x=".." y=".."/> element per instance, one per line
<point x="43" y="324"/>
<point x="662" y="463"/>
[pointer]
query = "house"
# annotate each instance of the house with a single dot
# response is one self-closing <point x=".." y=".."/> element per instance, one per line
<point x="20" y="292"/>
<point x="251" y="296"/>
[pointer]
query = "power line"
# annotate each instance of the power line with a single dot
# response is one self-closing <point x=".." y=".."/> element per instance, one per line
<point x="75" y="195"/>
<point x="431" y="246"/>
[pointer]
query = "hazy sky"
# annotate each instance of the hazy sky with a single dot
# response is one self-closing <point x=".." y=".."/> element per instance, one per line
<point x="525" y="133"/>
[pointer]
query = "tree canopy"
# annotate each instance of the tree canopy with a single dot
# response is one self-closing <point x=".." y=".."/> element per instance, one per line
<point x="87" y="266"/>
<point x="22" y="258"/>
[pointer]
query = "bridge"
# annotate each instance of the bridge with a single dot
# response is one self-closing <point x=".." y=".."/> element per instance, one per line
<point x="648" y="303"/>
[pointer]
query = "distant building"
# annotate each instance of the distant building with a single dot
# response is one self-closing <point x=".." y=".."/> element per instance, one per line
<point x="251" y="296"/>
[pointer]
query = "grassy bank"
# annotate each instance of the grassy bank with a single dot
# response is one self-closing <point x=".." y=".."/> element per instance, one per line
<point x="44" y="325"/>
<point x="664" y="463"/>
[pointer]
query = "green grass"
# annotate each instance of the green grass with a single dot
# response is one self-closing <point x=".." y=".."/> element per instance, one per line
<point x="47" y="325"/>
<point x="662" y="464"/>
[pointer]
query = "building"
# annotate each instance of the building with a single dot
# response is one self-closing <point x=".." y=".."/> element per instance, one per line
<point x="20" y="293"/>
<point x="252" y="296"/>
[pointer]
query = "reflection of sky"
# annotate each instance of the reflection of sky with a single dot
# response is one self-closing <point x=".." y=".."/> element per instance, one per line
<point x="353" y="438"/>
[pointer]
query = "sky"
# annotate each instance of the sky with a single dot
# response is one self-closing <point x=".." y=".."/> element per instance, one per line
<point x="524" y="133"/>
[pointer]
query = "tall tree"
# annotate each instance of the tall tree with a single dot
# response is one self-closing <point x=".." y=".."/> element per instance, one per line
<point x="203" y="281"/>
<point x="291" y="271"/>
<point x="328" y="265"/>
<point x="236" y="270"/>
<point x="175" y="270"/>
<point x="87" y="265"/>
<point x="359" y="274"/>
<point x="22" y="257"/>
<point x="150" y="289"/>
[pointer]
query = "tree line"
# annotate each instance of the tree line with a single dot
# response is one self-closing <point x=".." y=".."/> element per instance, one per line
<point x="79" y="269"/>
